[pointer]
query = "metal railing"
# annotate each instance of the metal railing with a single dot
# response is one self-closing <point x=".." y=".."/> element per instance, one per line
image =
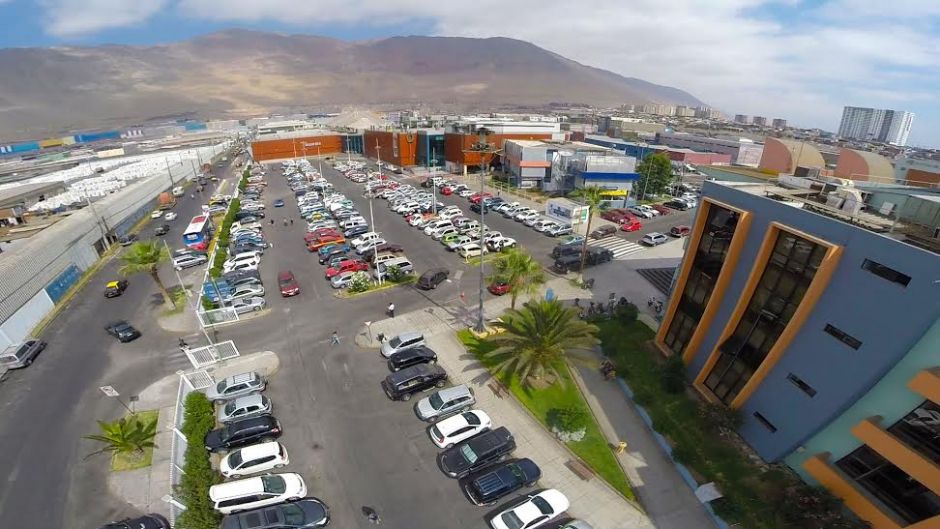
<point x="210" y="354"/>
<point x="177" y="447"/>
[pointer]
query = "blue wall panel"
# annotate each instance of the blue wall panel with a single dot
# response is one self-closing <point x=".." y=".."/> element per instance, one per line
<point x="98" y="136"/>
<point x="60" y="285"/>
<point x="194" y="125"/>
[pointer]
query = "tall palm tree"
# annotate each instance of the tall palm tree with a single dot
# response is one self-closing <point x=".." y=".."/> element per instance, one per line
<point x="520" y="270"/>
<point x="592" y="196"/>
<point x="125" y="436"/>
<point x="147" y="256"/>
<point x="539" y="338"/>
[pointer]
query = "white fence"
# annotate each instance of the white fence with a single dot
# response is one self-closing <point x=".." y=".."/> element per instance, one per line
<point x="207" y="355"/>
<point x="178" y="447"/>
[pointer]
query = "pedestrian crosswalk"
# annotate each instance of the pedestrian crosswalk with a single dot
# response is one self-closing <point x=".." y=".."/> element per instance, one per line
<point x="622" y="248"/>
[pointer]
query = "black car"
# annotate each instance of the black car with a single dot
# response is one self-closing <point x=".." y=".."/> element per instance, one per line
<point x="234" y="276"/>
<point x="242" y="433"/>
<point x="247" y="246"/>
<point x="402" y="384"/>
<point x="563" y="250"/>
<point x="127" y="240"/>
<point x="411" y="357"/>
<point x="490" y="484"/>
<point x="149" y="521"/>
<point x="123" y="331"/>
<point x="477" y="207"/>
<point x="355" y="231"/>
<point x="336" y="250"/>
<point x="680" y="205"/>
<point x="477" y="452"/>
<point x="596" y="256"/>
<point x="431" y="278"/>
<point x="162" y="229"/>
<point x="300" y="514"/>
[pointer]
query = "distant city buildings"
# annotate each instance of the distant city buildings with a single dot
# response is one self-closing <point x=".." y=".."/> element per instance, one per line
<point x="779" y="123"/>
<point x="742" y="119"/>
<point x="760" y="121"/>
<point x="875" y="124"/>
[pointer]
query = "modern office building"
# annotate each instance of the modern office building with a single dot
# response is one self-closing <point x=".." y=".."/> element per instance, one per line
<point x="875" y="124"/>
<point x="566" y="165"/>
<point x="303" y="144"/>
<point x="430" y="148"/>
<point x="779" y="123"/>
<point x="760" y="121"/>
<point x="802" y="312"/>
<point x="742" y="119"/>
<point x="676" y="154"/>
<point x="743" y="151"/>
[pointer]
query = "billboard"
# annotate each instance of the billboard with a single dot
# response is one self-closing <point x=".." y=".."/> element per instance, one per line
<point x="567" y="211"/>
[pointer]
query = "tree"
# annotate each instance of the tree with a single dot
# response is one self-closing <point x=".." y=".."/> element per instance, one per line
<point x="655" y="174"/>
<point x="520" y="271"/>
<point x="125" y="436"/>
<point x="540" y="338"/>
<point x="147" y="256"/>
<point x="592" y="197"/>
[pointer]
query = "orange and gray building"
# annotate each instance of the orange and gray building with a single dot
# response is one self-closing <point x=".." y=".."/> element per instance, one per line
<point x="825" y="335"/>
<point x="304" y="144"/>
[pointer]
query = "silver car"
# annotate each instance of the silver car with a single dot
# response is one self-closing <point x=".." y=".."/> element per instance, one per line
<point x="245" y="407"/>
<point x="21" y="354"/>
<point x="445" y="402"/>
<point x="236" y="386"/>
<point x="245" y="305"/>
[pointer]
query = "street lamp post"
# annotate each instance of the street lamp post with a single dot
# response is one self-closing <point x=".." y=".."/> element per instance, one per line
<point x="375" y="247"/>
<point x="482" y="147"/>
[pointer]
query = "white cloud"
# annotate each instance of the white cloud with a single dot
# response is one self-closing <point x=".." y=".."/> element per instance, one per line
<point x="73" y="18"/>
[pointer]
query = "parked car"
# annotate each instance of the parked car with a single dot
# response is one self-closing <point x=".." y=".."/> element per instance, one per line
<point x="571" y="240"/>
<point x="327" y="253"/>
<point x="603" y="231"/>
<point x="246" y="305"/>
<point x="663" y="210"/>
<point x="278" y="203"/>
<point x="241" y="433"/>
<point x="677" y="204"/>
<point x="575" y="524"/>
<point x="597" y="255"/>
<point x="287" y="284"/>
<point x="147" y="521"/>
<point x="306" y="513"/>
<point x="402" y="384"/>
<point x="170" y="215"/>
<point x="641" y="211"/>
<point x="156" y="214"/>
<point x="499" y="287"/>
<point x="473" y="454"/>
<point x="491" y="484"/>
<point x="245" y="291"/>
<point x="430" y="279"/>
<point x="21" y="354"/>
<point x="252" y="493"/>
<point x="458" y="428"/>
<point x="236" y="386"/>
<point x="244" y="407"/>
<point x="613" y="214"/>
<point x="115" y="288"/>
<point x="127" y="240"/>
<point x="631" y="224"/>
<point x="403" y="341"/>
<point x="161" y="230"/>
<point x="343" y="280"/>
<point x="654" y="238"/>
<point x="680" y="230"/>
<point x="531" y="511"/>
<point x="445" y="402"/>
<point x="349" y="265"/>
<point x="557" y="230"/>
<point x="123" y="331"/>
<point x="410" y="357"/>
<point x="471" y="250"/>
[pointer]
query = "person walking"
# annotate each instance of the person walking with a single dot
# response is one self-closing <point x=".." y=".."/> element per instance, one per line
<point x="391" y="310"/>
<point x="371" y="515"/>
<point x="334" y="340"/>
<point x="291" y="221"/>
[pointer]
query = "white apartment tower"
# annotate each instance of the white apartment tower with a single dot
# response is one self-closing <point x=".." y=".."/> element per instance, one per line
<point x="875" y="124"/>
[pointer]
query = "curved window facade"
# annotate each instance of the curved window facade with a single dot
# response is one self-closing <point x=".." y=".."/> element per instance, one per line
<point x="707" y="261"/>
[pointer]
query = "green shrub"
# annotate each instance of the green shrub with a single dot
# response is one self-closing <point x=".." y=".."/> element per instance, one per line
<point x="206" y="304"/>
<point x="569" y="419"/>
<point x="221" y="254"/>
<point x="626" y="314"/>
<point x="394" y="274"/>
<point x="720" y="417"/>
<point x="673" y="375"/>
<point x="198" y="475"/>
<point x="360" y="282"/>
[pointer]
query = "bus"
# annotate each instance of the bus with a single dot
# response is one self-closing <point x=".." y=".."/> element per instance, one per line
<point x="198" y="233"/>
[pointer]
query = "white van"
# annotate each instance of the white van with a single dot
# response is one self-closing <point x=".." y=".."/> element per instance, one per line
<point x="257" y="492"/>
<point x="434" y="226"/>
<point x="353" y="222"/>
<point x="403" y="264"/>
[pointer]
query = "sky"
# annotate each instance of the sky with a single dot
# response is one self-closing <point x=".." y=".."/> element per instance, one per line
<point x="802" y="60"/>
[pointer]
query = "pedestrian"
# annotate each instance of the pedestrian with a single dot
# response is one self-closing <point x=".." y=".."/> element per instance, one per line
<point x="183" y="344"/>
<point x="285" y="222"/>
<point x="391" y="310"/>
<point x="291" y="221"/>
<point x="621" y="447"/>
<point x="334" y="340"/>
<point x="272" y="221"/>
<point x="372" y="515"/>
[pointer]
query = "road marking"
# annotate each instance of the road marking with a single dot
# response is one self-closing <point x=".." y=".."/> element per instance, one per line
<point x="457" y="275"/>
<point x="620" y="247"/>
<point x="323" y="363"/>
<point x="346" y="368"/>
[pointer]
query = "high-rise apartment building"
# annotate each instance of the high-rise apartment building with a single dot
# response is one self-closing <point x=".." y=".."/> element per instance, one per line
<point x="743" y="119"/>
<point x="875" y="124"/>
<point x="779" y="123"/>
<point x="760" y="121"/>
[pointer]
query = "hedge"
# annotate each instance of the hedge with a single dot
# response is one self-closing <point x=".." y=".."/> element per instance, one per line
<point x="221" y="248"/>
<point x="198" y="475"/>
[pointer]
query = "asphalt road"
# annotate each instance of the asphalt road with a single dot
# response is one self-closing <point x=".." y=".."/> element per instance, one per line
<point x="48" y="407"/>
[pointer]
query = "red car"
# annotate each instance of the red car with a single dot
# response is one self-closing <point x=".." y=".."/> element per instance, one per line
<point x="477" y="197"/>
<point x="287" y="283"/>
<point x="631" y="224"/>
<point x="349" y="265"/>
<point x="663" y="210"/>
<point x="446" y="191"/>
<point x="613" y="215"/>
<point x="680" y="231"/>
<point x="315" y="235"/>
<point x="323" y="241"/>
<point x="498" y="288"/>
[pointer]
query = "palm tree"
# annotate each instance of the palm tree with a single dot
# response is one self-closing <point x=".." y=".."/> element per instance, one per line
<point x="592" y="196"/>
<point x="540" y="338"/>
<point x="520" y="271"/>
<point x="147" y="256"/>
<point x="125" y="436"/>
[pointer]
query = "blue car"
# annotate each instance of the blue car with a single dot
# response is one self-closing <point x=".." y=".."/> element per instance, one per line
<point x="279" y="203"/>
<point x="329" y="248"/>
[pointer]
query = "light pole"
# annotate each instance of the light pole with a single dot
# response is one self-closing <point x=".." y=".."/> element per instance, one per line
<point x="375" y="247"/>
<point x="319" y="161"/>
<point x="191" y="302"/>
<point x="482" y="148"/>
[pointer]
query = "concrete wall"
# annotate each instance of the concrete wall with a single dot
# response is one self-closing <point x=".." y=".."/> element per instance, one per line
<point x="887" y="318"/>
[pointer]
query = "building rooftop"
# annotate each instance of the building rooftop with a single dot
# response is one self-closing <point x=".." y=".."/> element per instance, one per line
<point x="297" y="134"/>
<point x="18" y="193"/>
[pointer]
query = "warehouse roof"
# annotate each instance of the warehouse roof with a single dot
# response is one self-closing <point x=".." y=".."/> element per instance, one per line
<point x="19" y="193"/>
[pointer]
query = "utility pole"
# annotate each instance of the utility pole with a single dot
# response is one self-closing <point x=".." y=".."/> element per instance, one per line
<point x="375" y="247"/>
<point x="319" y="161"/>
<point x="483" y="148"/>
<point x="431" y="163"/>
<point x="192" y="302"/>
<point x="168" y="172"/>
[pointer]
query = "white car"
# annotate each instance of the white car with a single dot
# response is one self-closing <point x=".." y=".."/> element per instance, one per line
<point x="244" y="305"/>
<point x="245" y="291"/>
<point x="492" y="235"/>
<point x="498" y="244"/>
<point x="640" y="212"/>
<point x="441" y="233"/>
<point x="417" y="221"/>
<point x="364" y="238"/>
<point x="471" y="250"/>
<point x="170" y="215"/>
<point x="453" y="430"/>
<point x="535" y="511"/>
<point x="528" y="216"/>
<point x="261" y="491"/>
<point x="654" y="239"/>
<point x="342" y="280"/>
<point x="457" y="243"/>
<point x="156" y="214"/>
<point x="465" y="193"/>
<point x="246" y="263"/>
<point x="239" y="226"/>
<point x="370" y="246"/>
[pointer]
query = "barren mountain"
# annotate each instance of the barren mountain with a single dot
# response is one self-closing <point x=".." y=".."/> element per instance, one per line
<point x="237" y="73"/>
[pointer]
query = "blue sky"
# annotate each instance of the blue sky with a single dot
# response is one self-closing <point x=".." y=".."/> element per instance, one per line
<point x="797" y="59"/>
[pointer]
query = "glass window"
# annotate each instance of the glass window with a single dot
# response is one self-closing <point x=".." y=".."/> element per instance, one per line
<point x="274" y="484"/>
<point x="885" y="272"/>
<point x="708" y="259"/>
<point x="780" y="291"/>
<point x="907" y="497"/>
<point x="920" y="430"/>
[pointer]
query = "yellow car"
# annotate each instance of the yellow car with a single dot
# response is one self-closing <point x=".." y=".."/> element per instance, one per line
<point x="115" y="288"/>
